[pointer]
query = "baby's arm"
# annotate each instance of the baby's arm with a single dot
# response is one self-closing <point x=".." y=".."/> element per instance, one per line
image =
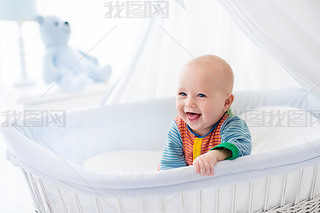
<point x="204" y="164"/>
<point x="236" y="142"/>
<point x="172" y="155"/>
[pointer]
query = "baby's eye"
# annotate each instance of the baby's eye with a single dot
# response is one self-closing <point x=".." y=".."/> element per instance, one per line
<point x="182" y="93"/>
<point x="201" y="95"/>
<point x="56" y="23"/>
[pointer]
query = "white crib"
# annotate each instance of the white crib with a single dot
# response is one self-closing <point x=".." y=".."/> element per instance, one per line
<point x="286" y="180"/>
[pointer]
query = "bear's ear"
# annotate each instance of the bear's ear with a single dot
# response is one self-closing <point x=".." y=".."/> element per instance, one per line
<point x="39" y="19"/>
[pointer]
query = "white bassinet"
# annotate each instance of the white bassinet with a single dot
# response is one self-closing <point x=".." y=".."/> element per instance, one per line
<point x="285" y="180"/>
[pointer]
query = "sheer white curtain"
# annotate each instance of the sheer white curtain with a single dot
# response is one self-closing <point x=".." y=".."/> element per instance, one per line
<point x="89" y="31"/>
<point x="203" y="27"/>
<point x="289" y="30"/>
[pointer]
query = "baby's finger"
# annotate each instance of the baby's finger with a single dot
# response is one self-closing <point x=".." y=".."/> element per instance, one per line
<point x="207" y="168"/>
<point x="213" y="165"/>
<point x="196" y="166"/>
<point x="212" y="170"/>
<point x="201" y="167"/>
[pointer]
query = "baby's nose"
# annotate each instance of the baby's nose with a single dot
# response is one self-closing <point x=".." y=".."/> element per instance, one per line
<point x="190" y="102"/>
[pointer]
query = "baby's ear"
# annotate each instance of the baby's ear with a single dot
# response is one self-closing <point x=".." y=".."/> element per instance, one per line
<point x="228" y="101"/>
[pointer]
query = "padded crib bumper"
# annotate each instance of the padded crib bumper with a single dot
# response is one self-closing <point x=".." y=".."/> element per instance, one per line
<point x="45" y="163"/>
<point x="283" y="180"/>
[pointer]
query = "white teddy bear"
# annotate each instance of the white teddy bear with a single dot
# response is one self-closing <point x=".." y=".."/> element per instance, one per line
<point x="69" y="68"/>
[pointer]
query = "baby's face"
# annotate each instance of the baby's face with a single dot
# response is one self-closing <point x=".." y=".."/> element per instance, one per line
<point x="200" y="98"/>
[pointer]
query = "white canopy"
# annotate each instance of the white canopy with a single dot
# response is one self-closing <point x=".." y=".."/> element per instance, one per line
<point x="288" y="31"/>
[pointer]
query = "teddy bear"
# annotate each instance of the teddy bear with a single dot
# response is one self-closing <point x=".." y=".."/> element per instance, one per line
<point x="69" y="68"/>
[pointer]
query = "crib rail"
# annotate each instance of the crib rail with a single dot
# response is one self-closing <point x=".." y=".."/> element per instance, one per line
<point x="297" y="191"/>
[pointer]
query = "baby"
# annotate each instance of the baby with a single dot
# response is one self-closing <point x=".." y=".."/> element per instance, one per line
<point x="205" y="131"/>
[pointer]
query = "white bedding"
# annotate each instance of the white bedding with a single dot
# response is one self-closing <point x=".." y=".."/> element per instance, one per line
<point x="51" y="158"/>
<point x="126" y="161"/>
<point x="282" y="127"/>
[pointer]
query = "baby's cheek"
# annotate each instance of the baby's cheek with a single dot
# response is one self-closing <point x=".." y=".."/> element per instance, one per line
<point x="180" y="111"/>
<point x="179" y="106"/>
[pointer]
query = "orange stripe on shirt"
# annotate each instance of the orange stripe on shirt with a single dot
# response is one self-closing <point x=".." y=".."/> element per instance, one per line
<point x="211" y="140"/>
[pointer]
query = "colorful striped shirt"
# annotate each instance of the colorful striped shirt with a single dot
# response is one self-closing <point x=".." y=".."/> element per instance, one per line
<point x="183" y="145"/>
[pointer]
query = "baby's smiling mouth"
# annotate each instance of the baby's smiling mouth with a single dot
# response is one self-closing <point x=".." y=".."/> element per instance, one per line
<point x="193" y="116"/>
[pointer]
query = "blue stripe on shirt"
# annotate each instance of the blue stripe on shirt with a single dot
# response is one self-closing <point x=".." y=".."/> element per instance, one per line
<point x="233" y="130"/>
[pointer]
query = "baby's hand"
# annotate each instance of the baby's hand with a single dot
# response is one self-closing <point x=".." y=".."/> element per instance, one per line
<point x="205" y="163"/>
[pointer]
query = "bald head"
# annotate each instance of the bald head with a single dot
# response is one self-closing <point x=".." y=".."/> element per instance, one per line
<point x="219" y="69"/>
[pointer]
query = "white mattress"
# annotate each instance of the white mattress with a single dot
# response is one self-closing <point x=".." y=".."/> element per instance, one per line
<point x="125" y="161"/>
<point x="280" y="130"/>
